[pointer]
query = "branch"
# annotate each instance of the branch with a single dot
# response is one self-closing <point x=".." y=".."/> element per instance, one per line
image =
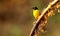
<point x="40" y="23"/>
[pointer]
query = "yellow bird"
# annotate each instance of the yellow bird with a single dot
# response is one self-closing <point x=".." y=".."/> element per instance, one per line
<point x="36" y="13"/>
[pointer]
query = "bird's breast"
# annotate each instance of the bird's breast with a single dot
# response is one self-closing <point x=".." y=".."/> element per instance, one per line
<point x="36" y="14"/>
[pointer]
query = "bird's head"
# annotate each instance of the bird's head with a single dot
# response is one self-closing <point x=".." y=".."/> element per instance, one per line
<point x="35" y="8"/>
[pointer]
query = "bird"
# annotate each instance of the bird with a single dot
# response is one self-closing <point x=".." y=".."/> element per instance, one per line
<point x="36" y="14"/>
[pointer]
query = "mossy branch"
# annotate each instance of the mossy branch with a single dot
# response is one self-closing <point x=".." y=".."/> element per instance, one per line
<point x="42" y="20"/>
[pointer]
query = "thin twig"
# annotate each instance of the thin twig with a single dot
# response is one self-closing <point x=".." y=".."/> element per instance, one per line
<point x="35" y="29"/>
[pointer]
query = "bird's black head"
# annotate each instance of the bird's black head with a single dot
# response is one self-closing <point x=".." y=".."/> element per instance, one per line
<point x="35" y="8"/>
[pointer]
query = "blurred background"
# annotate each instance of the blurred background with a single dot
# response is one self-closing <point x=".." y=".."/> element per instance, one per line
<point x="16" y="18"/>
